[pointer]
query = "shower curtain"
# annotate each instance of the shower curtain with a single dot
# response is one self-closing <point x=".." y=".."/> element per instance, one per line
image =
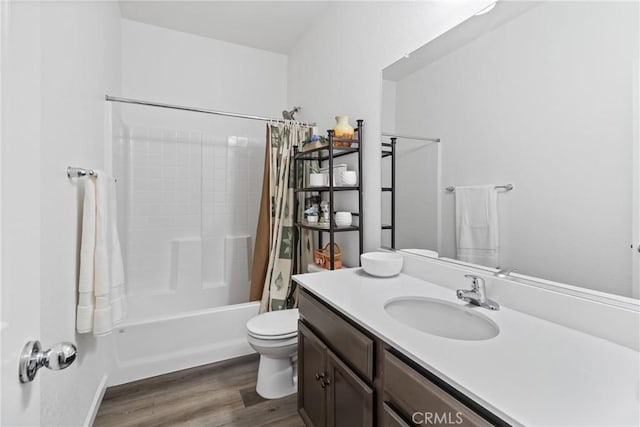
<point x="275" y="245"/>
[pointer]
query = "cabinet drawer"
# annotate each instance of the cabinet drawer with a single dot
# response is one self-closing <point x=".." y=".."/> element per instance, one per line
<point x="412" y="393"/>
<point x="391" y="419"/>
<point x="348" y="342"/>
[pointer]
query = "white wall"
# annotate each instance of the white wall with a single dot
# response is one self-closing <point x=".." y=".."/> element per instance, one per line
<point x="169" y="66"/>
<point x="417" y="180"/>
<point x="336" y="68"/>
<point x="191" y="182"/>
<point x="79" y="64"/>
<point x="548" y="111"/>
<point x="417" y="194"/>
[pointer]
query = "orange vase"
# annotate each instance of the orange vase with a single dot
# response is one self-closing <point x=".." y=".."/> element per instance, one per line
<point x="343" y="129"/>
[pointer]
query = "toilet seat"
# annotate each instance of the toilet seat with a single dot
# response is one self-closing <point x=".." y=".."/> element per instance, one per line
<point x="274" y="325"/>
<point x="272" y="337"/>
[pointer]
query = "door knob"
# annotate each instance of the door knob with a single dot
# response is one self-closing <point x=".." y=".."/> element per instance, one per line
<point x="32" y="358"/>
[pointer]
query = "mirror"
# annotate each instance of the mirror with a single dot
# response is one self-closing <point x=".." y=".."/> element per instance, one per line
<point x="539" y="95"/>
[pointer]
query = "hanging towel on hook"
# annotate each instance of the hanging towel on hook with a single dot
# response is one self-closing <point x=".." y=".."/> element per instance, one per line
<point x="101" y="292"/>
<point x="477" y="233"/>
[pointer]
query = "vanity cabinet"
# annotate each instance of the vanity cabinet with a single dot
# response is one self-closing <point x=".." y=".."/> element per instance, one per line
<point x="347" y="377"/>
<point x="329" y="392"/>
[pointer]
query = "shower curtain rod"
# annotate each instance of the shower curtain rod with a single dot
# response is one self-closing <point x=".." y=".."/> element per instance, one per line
<point x="201" y="110"/>
<point x="419" y="138"/>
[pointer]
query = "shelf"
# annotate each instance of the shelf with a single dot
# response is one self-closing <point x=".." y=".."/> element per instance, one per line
<point x="387" y="188"/>
<point x="326" y="188"/>
<point x="387" y="227"/>
<point x="327" y="229"/>
<point x="324" y="152"/>
<point x="387" y="144"/>
<point x="386" y="154"/>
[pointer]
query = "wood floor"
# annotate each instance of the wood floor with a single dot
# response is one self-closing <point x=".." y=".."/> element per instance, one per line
<point x="220" y="394"/>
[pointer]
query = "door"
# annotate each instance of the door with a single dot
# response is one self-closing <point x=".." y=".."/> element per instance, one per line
<point x="349" y="399"/>
<point x="312" y="357"/>
<point x="19" y="205"/>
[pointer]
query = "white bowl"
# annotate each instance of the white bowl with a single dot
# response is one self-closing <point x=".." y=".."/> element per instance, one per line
<point x="344" y="223"/>
<point x="381" y="264"/>
<point x="312" y="219"/>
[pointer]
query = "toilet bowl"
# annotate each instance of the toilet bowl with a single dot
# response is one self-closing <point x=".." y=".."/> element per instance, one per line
<point x="274" y="335"/>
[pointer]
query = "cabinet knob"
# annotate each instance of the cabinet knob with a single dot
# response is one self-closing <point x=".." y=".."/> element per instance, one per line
<point x="325" y="382"/>
<point x="319" y="376"/>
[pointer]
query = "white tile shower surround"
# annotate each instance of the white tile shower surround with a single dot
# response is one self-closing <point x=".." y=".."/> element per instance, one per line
<point x="186" y="197"/>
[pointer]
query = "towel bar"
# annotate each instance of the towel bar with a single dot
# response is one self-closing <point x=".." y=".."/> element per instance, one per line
<point x="73" y="172"/>
<point x="507" y="187"/>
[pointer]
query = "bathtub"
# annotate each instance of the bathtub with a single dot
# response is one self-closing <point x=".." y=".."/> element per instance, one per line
<point x="161" y="344"/>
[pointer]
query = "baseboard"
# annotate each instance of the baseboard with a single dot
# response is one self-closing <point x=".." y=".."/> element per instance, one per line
<point x="95" y="404"/>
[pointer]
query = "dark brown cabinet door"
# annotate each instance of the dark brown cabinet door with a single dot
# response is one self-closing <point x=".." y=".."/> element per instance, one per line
<point x="312" y="358"/>
<point x="391" y="418"/>
<point x="349" y="399"/>
<point x="421" y="399"/>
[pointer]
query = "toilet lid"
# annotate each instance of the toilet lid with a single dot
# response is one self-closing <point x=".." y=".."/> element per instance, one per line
<point x="274" y="323"/>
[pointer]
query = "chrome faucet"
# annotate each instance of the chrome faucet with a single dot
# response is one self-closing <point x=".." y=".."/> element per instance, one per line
<point x="478" y="294"/>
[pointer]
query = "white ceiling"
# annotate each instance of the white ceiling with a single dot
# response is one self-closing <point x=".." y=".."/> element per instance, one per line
<point x="268" y="25"/>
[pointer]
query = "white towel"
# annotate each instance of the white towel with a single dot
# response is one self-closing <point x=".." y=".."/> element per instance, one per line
<point x="477" y="235"/>
<point x="101" y="293"/>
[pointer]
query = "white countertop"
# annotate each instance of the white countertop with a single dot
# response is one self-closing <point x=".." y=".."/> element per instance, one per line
<point x="533" y="373"/>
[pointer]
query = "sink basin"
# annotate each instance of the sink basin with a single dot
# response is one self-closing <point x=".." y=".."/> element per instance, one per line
<point x="442" y="318"/>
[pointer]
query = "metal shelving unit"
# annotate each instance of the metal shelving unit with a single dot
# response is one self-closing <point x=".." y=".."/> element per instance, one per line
<point x="389" y="151"/>
<point x="328" y="154"/>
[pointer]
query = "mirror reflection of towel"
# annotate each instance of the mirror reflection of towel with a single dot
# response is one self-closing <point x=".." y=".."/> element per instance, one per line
<point x="477" y="233"/>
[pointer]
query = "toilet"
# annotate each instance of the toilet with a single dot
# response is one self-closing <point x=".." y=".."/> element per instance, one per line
<point x="274" y="335"/>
